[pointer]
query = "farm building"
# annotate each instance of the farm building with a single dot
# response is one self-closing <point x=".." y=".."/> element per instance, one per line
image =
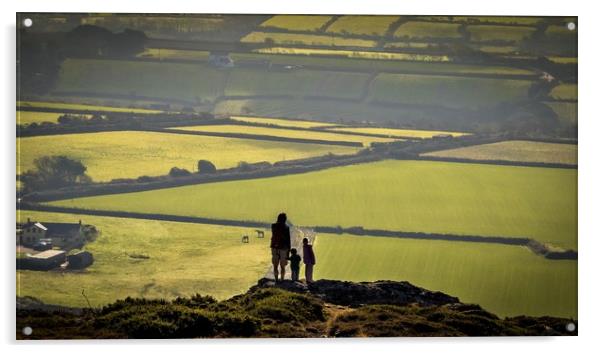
<point x="80" y="260"/>
<point x="46" y="260"/>
<point x="61" y="234"/>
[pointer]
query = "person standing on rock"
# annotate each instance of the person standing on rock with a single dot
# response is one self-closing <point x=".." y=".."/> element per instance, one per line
<point x="309" y="259"/>
<point x="281" y="245"/>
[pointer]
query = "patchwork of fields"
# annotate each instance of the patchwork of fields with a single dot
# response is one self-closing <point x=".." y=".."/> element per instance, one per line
<point x="397" y="132"/>
<point x="520" y="151"/>
<point x="301" y="134"/>
<point x="183" y="259"/>
<point x="437" y="197"/>
<point x="113" y="155"/>
<point x="506" y="280"/>
<point x="281" y="122"/>
<point x="296" y="22"/>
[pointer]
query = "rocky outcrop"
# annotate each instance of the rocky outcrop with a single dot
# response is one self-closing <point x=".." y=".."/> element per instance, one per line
<point x="355" y="294"/>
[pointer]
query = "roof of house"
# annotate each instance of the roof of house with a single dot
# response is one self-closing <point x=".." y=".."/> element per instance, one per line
<point x="62" y="228"/>
<point x="47" y="254"/>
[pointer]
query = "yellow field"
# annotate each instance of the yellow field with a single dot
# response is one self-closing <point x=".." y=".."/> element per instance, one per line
<point x="281" y="122"/>
<point x="406" y="45"/>
<point x="257" y="130"/>
<point x="485" y="33"/>
<point x="397" y="132"/>
<point x="24" y="117"/>
<point x="366" y="25"/>
<point x="110" y="155"/>
<point x="526" y="21"/>
<point x="306" y="39"/>
<point x="355" y="54"/>
<point x="415" y="29"/>
<point x="564" y="91"/>
<point x="73" y="106"/>
<point x="494" y="49"/>
<point x="519" y="151"/>
<point x="296" y="23"/>
<point x="562" y="59"/>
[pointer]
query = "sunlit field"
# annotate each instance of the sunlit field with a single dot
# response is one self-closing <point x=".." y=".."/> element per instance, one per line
<point x="397" y="132"/>
<point x="296" y="22"/>
<point x="112" y="155"/>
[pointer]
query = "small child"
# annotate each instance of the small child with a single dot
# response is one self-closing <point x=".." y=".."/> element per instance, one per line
<point x="295" y="264"/>
<point x="309" y="259"/>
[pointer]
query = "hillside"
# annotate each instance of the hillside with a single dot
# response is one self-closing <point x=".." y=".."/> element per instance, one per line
<point x="325" y="308"/>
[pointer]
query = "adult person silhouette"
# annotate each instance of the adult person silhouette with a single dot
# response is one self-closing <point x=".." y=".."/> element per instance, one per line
<point x="281" y="245"/>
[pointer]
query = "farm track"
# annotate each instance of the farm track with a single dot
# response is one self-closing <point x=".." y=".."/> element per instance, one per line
<point x="533" y="245"/>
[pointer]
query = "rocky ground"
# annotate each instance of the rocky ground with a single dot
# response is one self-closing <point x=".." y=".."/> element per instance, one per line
<point x="325" y="308"/>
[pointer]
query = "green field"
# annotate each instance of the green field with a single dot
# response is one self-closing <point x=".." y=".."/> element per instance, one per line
<point x="161" y="53"/>
<point x="566" y="91"/>
<point x="25" y="117"/>
<point x="507" y="280"/>
<point x="439" y="197"/>
<point x="306" y="39"/>
<point x="281" y="122"/>
<point x="397" y="132"/>
<point x="362" y="25"/>
<point x="187" y="82"/>
<point x="74" y="106"/>
<point x="183" y="259"/>
<point x="356" y="54"/>
<point x="488" y="33"/>
<point x="111" y="155"/>
<point x="246" y="82"/>
<point x="520" y="151"/>
<point x="567" y="112"/>
<point x="426" y="30"/>
<point x="259" y="130"/>
<point x="525" y="21"/>
<point x="452" y="92"/>
<point x="296" y="22"/>
<point x="495" y="49"/>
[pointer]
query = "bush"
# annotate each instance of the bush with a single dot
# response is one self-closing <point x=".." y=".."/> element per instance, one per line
<point x="205" y="167"/>
<point x="178" y="172"/>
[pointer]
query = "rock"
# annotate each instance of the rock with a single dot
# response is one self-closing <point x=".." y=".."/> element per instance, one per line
<point x="355" y="294"/>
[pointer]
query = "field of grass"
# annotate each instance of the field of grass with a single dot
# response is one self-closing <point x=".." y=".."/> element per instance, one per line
<point x="438" y="197"/>
<point x="564" y="91"/>
<point x="356" y="54"/>
<point x="183" y="259"/>
<point x="246" y="82"/>
<point x="397" y="132"/>
<point x="495" y="49"/>
<point x="258" y="130"/>
<point x="504" y="279"/>
<point x="296" y="22"/>
<point x="281" y="122"/>
<point x="487" y="33"/>
<point x="188" y="82"/>
<point x="561" y="31"/>
<point x="406" y="45"/>
<point x="362" y="25"/>
<point x="453" y="92"/>
<point x="426" y="30"/>
<point x="74" y="106"/>
<point x="128" y="154"/>
<point x="306" y="39"/>
<point x="25" y="117"/>
<point x="567" y="112"/>
<point x="525" y="21"/>
<point x="520" y="151"/>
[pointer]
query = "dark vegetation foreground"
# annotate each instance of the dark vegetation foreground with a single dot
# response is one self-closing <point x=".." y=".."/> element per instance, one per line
<point x="323" y="309"/>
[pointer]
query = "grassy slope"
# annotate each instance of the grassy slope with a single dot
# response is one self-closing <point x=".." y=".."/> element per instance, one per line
<point x="184" y="259"/>
<point x="398" y="195"/>
<point x="504" y="279"/>
<point x="257" y="130"/>
<point x="453" y="92"/>
<point x="481" y="33"/>
<point x="73" y="106"/>
<point x="415" y="29"/>
<point x="36" y="117"/>
<point x="306" y="39"/>
<point x="567" y="112"/>
<point x="522" y="151"/>
<point x="296" y="23"/>
<point x="362" y="25"/>
<point x="130" y="154"/>
<point x="564" y="91"/>
<point x="189" y="82"/>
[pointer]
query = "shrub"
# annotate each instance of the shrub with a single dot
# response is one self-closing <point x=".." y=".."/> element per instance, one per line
<point x="205" y="167"/>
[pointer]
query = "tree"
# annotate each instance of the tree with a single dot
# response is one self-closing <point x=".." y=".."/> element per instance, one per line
<point x="54" y="172"/>
<point x="206" y="167"/>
